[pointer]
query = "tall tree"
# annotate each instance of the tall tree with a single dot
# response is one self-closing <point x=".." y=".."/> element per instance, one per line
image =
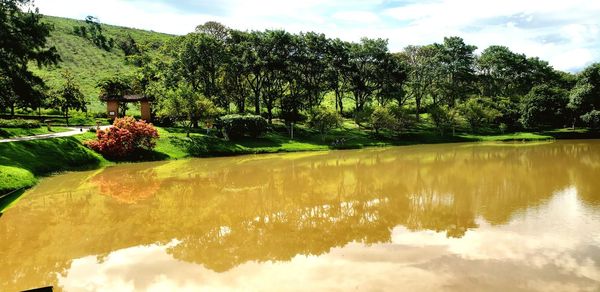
<point x="23" y="38"/>
<point x="457" y="62"/>
<point x="585" y="96"/>
<point x="423" y="71"/>
<point x="544" y="105"/>
<point x="306" y="74"/>
<point x="200" y="62"/>
<point x="310" y="67"/>
<point x="338" y="59"/>
<point x="366" y="59"/>
<point x="69" y="96"/>
<point x="235" y="82"/>
<point x="215" y="29"/>
<point x="502" y="72"/>
<point x="187" y="106"/>
<point x="278" y="45"/>
<point x="392" y="74"/>
<point x="254" y="61"/>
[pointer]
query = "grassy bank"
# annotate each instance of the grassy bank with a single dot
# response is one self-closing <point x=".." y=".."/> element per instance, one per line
<point x="174" y="144"/>
<point x="22" y="162"/>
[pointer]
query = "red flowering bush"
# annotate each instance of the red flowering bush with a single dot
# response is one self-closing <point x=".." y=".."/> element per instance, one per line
<point x="125" y="138"/>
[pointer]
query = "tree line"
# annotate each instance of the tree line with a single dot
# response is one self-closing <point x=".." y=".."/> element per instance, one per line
<point x="282" y="75"/>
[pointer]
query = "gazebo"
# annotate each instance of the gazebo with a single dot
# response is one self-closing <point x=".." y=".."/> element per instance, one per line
<point x="112" y="104"/>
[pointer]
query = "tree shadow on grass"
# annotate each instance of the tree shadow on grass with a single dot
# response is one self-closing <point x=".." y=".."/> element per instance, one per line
<point x="141" y="156"/>
<point x="207" y="146"/>
<point x="574" y="134"/>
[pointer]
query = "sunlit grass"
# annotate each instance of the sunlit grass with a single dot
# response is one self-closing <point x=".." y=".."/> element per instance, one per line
<point x="21" y="132"/>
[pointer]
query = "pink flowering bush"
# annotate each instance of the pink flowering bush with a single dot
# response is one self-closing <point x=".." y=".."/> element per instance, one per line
<point x="126" y="137"/>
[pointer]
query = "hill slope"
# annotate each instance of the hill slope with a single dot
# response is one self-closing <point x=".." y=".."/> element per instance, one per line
<point x="88" y="63"/>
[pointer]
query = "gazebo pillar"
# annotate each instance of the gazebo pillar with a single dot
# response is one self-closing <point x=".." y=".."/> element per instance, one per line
<point x="112" y="109"/>
<point x="145" y="110"/>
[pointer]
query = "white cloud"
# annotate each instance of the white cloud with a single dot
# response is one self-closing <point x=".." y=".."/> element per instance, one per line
<point x="566" y="33"/>
<point x="356" y="16"/>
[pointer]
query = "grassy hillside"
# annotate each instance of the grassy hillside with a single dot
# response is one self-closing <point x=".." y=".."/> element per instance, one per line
<point x="86" y="61"/>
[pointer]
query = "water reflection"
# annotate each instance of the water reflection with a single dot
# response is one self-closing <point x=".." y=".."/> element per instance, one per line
<point x="426" y="215"/>
<point x="127" y="184"/>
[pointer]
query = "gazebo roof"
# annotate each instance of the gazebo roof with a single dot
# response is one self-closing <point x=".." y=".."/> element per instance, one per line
<point x="126" y="98"/>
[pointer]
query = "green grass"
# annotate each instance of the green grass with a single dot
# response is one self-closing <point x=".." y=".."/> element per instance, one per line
<point x="88" y="63"/>
<point x="174" y="144"/>
<point x="43" y="157"/>
<point x="519" y="136"/>
<point x="20" y="132"/>
<point x="13" y="178"/>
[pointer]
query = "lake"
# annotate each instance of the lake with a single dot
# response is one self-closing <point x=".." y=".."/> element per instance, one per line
<point x="464" y="217"/>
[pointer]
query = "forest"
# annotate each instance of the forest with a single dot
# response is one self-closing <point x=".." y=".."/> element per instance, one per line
<point x="302" y="78"/>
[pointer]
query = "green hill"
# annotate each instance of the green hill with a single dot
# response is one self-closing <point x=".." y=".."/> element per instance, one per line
<point x="87" y="62"/>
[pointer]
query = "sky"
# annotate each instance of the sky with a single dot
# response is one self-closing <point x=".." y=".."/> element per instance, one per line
<point x="565" y="33"/>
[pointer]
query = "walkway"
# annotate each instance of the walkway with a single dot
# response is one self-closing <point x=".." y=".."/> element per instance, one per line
<point x="72" y="132"/>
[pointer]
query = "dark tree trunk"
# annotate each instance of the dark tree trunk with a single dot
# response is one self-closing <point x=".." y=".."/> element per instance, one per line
<point x="270" y="114"/>
<point x="241" y="106"/>
<point x="256" y="103"/>
<point x="418" y="108"/>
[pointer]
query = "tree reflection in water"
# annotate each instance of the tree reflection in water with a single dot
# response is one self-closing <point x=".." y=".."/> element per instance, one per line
<point x="224" y="212"/>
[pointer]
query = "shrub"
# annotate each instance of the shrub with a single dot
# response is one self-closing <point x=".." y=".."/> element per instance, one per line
<point x="544" y="106"/>
<point x="592" y="118"/>
<point x="364" y="115"/>
<point x="393" y="118"/>
<point x="324" y="119"/>
<point x="503" y="127"/>
<point x="444" y="118"/>
<point x="382" y="118"/>
<point x="19" y="123"/>
<point x="125" y="138"/>
<point x="478" y="112"/>
<point x="403" y="118"/>
<point x="237" y="126"/>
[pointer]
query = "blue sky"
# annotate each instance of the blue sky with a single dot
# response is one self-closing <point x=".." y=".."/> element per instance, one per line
<point x="566" y="33"/>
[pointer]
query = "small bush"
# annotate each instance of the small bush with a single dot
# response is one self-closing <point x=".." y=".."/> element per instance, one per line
<point x="324" y="119"/>
<point x="444" y="118"/>
<point x="404" y="119"/>
<point x="382" y="118"/>
<point x="592" y="119"/>
<point x="478" y="112"/>
<point x="125" y="138"/>
<point x="364" y="116"/>
<point x="393" y="118"/>
<point x="237" y="126"/>
<point x="19" y="123"/>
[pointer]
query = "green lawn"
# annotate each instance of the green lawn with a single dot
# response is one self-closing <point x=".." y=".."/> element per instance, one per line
<point x="21" y="162"/>
<point x="13" y="178"/>
<point x="21" y="132"/>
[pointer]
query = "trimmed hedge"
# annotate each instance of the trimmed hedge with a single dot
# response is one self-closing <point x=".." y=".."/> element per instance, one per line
<point x="237" y="126"/>
<point x="19" y="123"/>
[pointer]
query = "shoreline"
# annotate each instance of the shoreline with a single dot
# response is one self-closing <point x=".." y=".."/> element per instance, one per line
<point x="69" y="153"/>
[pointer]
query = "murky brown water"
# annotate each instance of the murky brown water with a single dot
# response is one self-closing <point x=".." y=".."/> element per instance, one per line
<point x="467" y="217"/>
